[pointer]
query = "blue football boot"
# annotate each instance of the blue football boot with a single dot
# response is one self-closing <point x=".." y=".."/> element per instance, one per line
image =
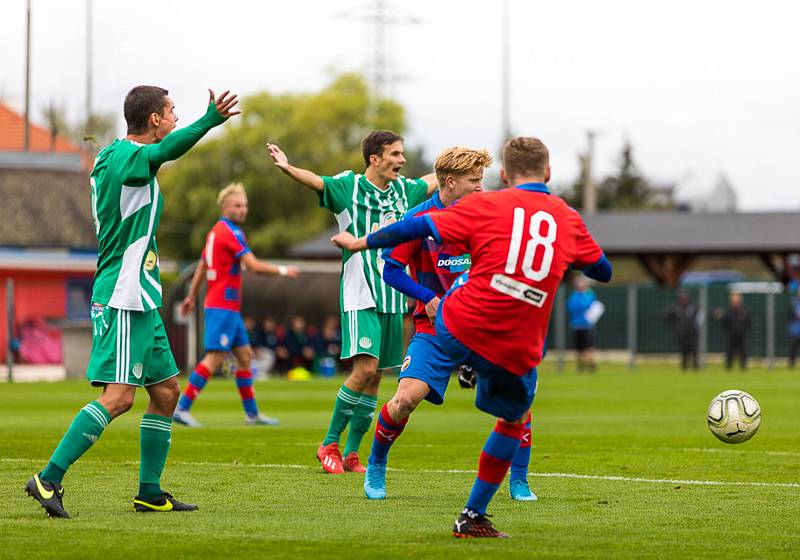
<point x="375" y="481"/>
<point x="520" y="490"/>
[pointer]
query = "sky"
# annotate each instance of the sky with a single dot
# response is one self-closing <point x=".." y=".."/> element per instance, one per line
<point x="700" y="88"/>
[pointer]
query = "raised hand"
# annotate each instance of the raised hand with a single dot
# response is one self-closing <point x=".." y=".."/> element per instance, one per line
<point x="224" y="103"/>
<point x="277" y="155"/>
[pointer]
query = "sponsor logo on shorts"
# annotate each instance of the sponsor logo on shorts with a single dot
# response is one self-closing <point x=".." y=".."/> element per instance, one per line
<point x="406" y="363"/>
<point x="223" y="340"/>
<point x="365" y="342"/>
<point x="518" y="290"/>
<point x="137" y="370"/>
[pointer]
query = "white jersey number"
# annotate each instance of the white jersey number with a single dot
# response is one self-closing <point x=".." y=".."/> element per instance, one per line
<point x="536" y="240"/>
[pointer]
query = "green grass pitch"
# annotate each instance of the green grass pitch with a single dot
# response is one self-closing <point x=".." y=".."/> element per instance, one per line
<point x="623" y="464"/>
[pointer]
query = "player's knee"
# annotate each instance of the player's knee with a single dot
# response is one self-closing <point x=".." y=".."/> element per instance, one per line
<point x="405" y="404"/>
<point x="119" y="404"/>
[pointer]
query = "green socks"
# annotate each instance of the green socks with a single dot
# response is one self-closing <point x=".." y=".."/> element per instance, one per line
<point x="362" y="420"/>
<point x="85" y="429"/>
<point x="353" y="407"/>
<point x="154" y="440"/>
<point x="87" y="426"/>
<point x="343" y="410"/>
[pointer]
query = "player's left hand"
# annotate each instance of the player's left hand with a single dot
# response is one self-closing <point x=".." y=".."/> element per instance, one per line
<point x="224" y="103"/>
<point x="346" y="240"/>
<point x="431" y="307"/>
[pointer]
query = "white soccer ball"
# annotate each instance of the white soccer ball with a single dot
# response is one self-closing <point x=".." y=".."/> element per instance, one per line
<point x="734" y="416"/>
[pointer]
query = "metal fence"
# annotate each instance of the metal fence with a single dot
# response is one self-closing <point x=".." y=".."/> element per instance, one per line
<point x="635" y="324"/>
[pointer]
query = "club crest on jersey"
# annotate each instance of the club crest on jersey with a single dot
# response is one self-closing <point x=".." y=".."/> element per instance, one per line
<point x="223" y="340"/>
<point x="459" y="263"/>
<point x="137" y="370"/>
<point x="406" y="363"/>
<point x="150" y="261"/>
<point x="365" y="342"/>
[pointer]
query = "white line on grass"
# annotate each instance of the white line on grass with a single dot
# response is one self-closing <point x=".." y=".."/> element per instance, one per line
<point x="610" y="478"/>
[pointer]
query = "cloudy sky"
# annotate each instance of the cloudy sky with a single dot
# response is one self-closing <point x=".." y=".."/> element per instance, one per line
<point x="699" y="87"/>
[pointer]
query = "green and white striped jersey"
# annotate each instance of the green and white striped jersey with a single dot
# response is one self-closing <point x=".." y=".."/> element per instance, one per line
<point x="361" y="208"/>
<point x="126" y="205"/>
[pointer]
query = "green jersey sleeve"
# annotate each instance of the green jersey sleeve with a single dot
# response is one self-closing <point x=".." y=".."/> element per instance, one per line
<point x="417" y="191"/>
<point x="337" y="191"/>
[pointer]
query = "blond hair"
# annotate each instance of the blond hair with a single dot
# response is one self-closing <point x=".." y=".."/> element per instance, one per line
<point x="460" y="161"/>
<point x="525" y="156"/>
<point x="233" y="188"/>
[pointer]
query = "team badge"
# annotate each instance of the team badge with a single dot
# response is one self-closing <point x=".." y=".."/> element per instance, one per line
<point x="150" y="260"/>
<point x="137" y="370"/>
<point x="406" y="363"/>
<point x="223" y="340"/>
<point x="365" y="342"/>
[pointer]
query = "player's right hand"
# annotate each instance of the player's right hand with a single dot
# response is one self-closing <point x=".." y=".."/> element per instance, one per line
<point x="278" y="157"/>
<point x="187" y="306"/>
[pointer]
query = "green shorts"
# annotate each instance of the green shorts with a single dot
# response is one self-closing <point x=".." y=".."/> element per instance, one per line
<point x="129" y="347"/>
<point x="379" y="335"/>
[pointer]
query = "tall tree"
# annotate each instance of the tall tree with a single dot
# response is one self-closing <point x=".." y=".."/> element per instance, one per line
<point x="627" y="189"/>
<point x="319" y="131"/>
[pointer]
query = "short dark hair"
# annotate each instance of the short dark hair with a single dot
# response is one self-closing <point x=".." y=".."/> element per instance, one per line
<point x="140" y="103"/>
<point x="373" y="143"/>
<point x="525" y="156"/>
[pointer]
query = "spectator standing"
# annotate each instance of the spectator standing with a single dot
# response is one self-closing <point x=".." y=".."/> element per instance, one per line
<point x="736" y="324"/>
<point x="685" y="318"/>
<point x="794" y="326"/>
<point x="584" y="311"/>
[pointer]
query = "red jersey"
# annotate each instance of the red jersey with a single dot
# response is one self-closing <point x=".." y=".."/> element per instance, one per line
<point x="432" y="264"/>
<point x="521" y="241"/>
<point x="225" y="245"/>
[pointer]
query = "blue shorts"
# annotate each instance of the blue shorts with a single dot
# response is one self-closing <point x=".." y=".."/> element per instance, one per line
<point x="498" y="391"/>
<point x="426" y="360"/>
<point x="224" y="330"/>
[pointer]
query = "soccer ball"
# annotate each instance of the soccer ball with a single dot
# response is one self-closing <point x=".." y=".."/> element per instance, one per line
<point x="734" y="416"/>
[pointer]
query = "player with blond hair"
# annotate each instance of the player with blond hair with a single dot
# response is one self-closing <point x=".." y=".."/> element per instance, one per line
<point x="434" y="267"/>
<point x="224" y="254"/>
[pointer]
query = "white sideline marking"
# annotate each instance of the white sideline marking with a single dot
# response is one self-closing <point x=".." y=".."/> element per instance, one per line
<point x="610" y="478"/>
<point x="714" y="450"/>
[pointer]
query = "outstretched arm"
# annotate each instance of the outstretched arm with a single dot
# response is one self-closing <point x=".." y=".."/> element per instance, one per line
<point x="389" y="236"/>
<point x="181" y="141"/>
<point x="252" y="264"/>
<point x="302" y="176"/>
<point x="187" y="305"/>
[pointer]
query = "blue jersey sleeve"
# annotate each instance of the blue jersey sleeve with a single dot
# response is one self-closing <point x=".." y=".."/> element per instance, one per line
<point x="397" y="278"/>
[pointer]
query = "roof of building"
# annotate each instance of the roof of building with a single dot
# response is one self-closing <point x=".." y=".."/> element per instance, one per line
<point x="12" y="135"/>
<point x="46" y="209"/>
<point x="636" y="233"/>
